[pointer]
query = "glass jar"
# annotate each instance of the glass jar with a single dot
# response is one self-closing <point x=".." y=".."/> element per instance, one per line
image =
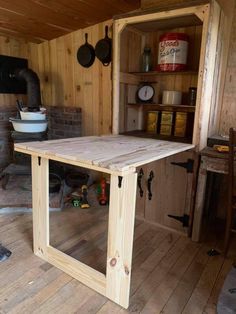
<point x="146" y="60"/>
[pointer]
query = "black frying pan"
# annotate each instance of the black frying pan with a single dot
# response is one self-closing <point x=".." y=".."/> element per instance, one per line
<point x="86" y="54"/>
<point x="103" y="49"/>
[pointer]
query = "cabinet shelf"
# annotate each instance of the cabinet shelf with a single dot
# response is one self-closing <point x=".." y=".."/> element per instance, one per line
<point x="144" y="134"/>
<point x="179" y="108"/>
<point x="156" y="73"/>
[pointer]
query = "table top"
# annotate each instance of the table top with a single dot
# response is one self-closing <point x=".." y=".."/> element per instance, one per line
<point x="115" y="153"/>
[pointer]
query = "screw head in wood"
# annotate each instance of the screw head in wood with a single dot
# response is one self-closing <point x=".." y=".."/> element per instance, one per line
<point x="113" y="262"/>
<point x="126" y="270"/>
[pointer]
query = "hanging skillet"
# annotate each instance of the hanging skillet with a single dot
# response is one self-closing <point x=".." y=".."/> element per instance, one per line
<point x="103" y="49"/>
<point x="86" y="54"/>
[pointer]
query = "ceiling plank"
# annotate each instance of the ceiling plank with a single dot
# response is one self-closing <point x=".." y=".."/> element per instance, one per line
<point x="40" y="20"/>
<point x="30" y="9"/>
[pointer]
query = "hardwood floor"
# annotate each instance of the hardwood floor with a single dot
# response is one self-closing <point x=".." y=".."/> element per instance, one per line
<point x="170" y="273"/>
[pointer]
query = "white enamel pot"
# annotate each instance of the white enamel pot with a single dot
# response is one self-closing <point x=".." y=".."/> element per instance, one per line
<point x="29" y="126"/>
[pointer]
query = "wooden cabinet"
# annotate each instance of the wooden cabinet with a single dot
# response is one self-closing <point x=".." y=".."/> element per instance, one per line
<point x="132" y="33"/>
<point x="172" y="185"/>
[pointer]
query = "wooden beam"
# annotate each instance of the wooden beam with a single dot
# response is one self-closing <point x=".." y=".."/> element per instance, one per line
<point x="120" y="238"/>
<point x="85" y="274"/>
<point x="207" y="69"/>
<point x="40" y="196"/>
<point x="164" y="4"/>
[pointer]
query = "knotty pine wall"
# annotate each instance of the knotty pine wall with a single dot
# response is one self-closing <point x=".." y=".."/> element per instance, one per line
<point x="65" y="83"/>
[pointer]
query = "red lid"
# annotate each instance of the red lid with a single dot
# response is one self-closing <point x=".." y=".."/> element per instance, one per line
<point x="174" y="36"/>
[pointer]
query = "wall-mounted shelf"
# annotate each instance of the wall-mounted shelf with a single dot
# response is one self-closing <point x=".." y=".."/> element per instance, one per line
<point x="152" y="73"/>
<point x="144" y="134"/>
<point x="179" y="108"/>
<point x="201" y="26"/>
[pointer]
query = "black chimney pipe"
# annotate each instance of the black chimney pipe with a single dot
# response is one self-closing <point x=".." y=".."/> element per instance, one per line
<point x="33" y="87"/>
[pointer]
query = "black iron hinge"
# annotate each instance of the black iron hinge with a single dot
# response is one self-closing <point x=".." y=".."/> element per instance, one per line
<point x="183" y="219"/>
<point x="188" y="165"/>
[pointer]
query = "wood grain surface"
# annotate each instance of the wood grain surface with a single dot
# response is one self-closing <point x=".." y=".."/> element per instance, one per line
<point x="114" y="153"/>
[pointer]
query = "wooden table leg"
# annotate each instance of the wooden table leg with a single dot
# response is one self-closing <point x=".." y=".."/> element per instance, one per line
<point x="120" y="238"/>
<point x="199" y="204"/>
<point x="40" y="195"/>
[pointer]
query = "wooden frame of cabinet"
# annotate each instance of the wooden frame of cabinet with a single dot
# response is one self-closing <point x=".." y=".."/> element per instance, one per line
<point x="209" y="15"/>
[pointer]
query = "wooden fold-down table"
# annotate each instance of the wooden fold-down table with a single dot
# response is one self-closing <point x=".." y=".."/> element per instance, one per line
<point x="118" y="156"/>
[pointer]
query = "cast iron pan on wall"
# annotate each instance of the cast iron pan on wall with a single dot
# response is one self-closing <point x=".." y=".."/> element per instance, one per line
<point x="86" y="54"/>
<point x="103" y="49"/>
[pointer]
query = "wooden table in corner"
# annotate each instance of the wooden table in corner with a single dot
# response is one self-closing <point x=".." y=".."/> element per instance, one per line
<point x="211" y="161"/>
<point x="118" y="156"/>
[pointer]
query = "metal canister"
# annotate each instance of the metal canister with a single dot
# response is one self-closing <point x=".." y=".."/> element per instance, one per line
<point x="173" y="51"/>
<point x="192" y="96"/>
<point x="152" y="119"/>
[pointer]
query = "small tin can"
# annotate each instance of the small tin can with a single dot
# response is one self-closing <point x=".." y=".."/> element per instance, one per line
<point x="180" y="124"/>
<point x="192" y="96"/>
<point x="166" y="129"/>
<point x="167" y="117"/>
<point x="152" y="121"/>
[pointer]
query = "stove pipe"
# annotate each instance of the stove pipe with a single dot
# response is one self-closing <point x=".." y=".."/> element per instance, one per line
<point x="33" y="88"/>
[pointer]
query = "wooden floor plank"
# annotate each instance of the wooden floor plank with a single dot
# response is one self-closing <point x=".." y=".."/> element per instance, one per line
<point x="170" y="273"/>
<point x="203" y="289"/>
<point x="28" y="305"/>
<point x="181" y="294"/>
<point x="210" y="307"/>
<point x="162" y="293"/>
<point x="152" y="280"/>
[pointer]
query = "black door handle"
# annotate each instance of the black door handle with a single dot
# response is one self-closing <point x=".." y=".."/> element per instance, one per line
<point x="149" y="183"/>
<point x="140" y="176"/>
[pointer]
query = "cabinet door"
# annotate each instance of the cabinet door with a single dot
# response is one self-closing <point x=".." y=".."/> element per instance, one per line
<point x="171" y="189"/>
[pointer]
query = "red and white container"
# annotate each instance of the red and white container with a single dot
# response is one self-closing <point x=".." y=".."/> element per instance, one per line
<point x="173" y="52"/>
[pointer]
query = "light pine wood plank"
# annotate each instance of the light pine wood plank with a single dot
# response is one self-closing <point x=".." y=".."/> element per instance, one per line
<point x="120" y="238"/>
<point x="118" y="153"/>
<point x="85" y="274"/>
<point x="40" y="202"/>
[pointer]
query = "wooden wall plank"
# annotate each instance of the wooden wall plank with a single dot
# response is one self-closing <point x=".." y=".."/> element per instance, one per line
<point x="64" y="82"/>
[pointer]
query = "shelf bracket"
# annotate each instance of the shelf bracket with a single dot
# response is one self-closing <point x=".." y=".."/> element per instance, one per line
<point x="188" y="165"/>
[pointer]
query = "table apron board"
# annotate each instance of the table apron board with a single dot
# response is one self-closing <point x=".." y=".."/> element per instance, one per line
<point x="76" y="163"/>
